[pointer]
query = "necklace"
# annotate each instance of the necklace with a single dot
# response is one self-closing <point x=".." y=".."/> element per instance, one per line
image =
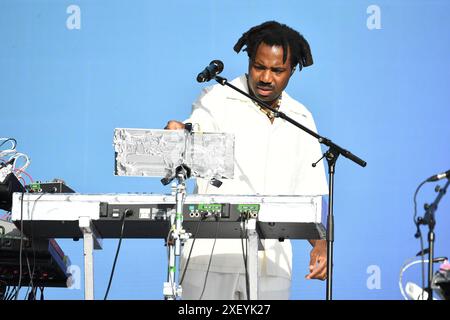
<point x="268" y="112"/>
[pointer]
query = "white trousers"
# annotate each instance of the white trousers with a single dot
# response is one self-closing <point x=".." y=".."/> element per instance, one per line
<point x="231" y="286"/>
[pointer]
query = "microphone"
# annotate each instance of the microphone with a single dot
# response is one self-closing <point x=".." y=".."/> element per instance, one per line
<point x="439" y="176"/>
<point x="214" y="68"/>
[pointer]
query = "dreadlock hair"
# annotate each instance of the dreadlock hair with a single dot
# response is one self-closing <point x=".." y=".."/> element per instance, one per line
<point x="274" y="33"/>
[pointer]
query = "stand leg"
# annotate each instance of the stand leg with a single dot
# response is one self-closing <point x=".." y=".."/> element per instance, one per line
<point x="430" y="264"/>
<point x="88" y="248"/>
<point x="330" y="270"/>
<point x="91" y="241"/>
<point x="330" y="231"/>
<point x="171" y="290"/>
<point x="252" y="259"/>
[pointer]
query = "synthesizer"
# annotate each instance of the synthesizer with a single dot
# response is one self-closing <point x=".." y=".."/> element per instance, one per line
<point x="44" y="264"/>
<point x="148" y="215"/>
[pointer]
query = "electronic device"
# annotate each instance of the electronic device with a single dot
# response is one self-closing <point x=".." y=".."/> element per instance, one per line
<point x="44" y="264"/>
<point x="148" y="215"/>
<point x="8" y="186"/>
<point x="55" y="186"/>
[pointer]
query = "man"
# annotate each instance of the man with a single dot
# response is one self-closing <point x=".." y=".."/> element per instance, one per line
<point x="272" y="157"/>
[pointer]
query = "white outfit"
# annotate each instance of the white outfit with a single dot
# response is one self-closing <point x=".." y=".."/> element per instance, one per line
<point x="270" y="159"/>
<point x="232" y="286"/>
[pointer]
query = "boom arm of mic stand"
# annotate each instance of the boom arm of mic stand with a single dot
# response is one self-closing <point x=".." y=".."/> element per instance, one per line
<point x="336" y="149"/>
<point x="331" y="155"/>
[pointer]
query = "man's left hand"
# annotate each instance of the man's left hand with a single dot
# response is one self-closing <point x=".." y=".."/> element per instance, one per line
<point x="318" y="261"/>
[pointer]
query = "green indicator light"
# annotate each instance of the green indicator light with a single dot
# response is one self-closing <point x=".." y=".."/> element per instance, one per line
<point x="209" y="207"/>
<point x="35" y="186"/>
<point x="248" y="207"/>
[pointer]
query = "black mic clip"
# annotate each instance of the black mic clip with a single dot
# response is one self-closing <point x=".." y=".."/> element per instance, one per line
<point x="182" y="170"/>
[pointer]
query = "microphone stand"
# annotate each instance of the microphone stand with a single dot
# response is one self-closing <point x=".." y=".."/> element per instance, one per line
<point x="428" y="219"/>
<point x="177" y="234"/>
<point x="331" y="155"/>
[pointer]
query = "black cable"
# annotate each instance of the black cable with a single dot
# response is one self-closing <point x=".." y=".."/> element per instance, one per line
<point x="34" y="263"/>
<point x="11" y="294"/>
<point x="33" y="248"/>
<point x="210" y="260"/>
<point x="10" y="291"/>
<point x="30" y="283"/>
<point x="20" y="249"/>
<point x="4" y="290"/>
<point x="422" y="264"/>
<point x="115" y="258"/>
<point x="419" y="235"/>
<point x="42" y="292"/>
<point x="32" y="295"/>
<point x="7" y="293"/>
<point x="190" y="252"/>
<point x="244" y="254"/>
<point x="9" y="139"/>
<point x="247" y="275"/>
<point x="415" y="201"/>
<point x="168" y="258"/>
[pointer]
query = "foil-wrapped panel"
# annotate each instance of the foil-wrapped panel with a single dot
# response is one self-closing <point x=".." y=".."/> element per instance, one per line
<point x="158" y="153"/>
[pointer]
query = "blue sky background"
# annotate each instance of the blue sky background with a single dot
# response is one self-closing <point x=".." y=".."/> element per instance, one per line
<point x="381" y="93"/>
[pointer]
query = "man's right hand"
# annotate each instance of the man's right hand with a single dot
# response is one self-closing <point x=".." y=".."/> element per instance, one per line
<point x="174" y="125"/>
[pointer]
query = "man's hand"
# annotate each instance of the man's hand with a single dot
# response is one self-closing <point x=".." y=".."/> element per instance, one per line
<point x="174" y="125"/>
<point x="318" y="260"/>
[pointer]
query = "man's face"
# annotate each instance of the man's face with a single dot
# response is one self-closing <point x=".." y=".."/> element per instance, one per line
<point x="268" y="75"/>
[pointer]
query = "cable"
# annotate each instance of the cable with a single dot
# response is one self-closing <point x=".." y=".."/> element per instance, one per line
<point x="32" y="295"/>
<point x="3" y="289"/>
<point x="19" y="171"/>
<point x="115" y="258"/>
<point x="244" y="254"/>
<point x="171" y="280"/>
<point x="33" y="244"/>
<point x="10" y="291"/>
<point x="11" y="294"/>
<point x="419" y="234"/>
<point x="5" y="140"/>
<point x="210" y="260"/>
<point x="21" y="247"/>
<point x="30" y="284"/>
<point x="17" y="156"/>
<point x="190" y="252"/>
<point x="31" y="271"/>
<point x="12" y="150"/>
<point x="415" y="200"/>
<point x="23" y="180"/>
<point x="406" y="266"/>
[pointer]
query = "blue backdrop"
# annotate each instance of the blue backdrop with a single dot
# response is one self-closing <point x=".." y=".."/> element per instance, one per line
<point x="72" y="71"/>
